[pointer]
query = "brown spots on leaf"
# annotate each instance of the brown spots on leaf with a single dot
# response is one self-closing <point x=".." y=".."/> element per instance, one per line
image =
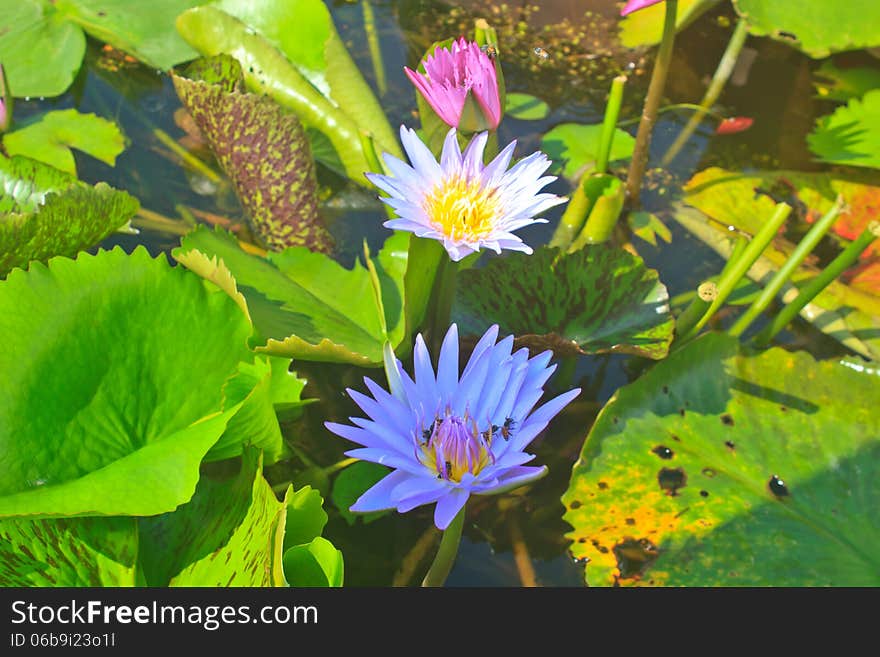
<point x="634" y="556"/>
<point x="727" y="420"/>
<point x="671" y="480"/>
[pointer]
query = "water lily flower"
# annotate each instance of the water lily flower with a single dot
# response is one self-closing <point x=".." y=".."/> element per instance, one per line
<point x="461" y="85"/>
<point x="448" y="436"/>
<point x="461" y="202"/>
<point x="635" y="5"/>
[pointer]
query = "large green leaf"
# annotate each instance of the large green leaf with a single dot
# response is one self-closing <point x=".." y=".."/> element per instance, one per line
<point x="306" y="305"/>
<point x="42" y="42"/>
<point x="45" y="212"/>
<point x="229" y="534"/>
<point x="845" y="312"/>
<point x="645" y="27"/>
<point x="114" y="369"/>
<point x="719" y="468"/>
<point x="68" y="552"/>
<point x="304" y="31"/>
<point x="262" y="148"/>
<point x="816" y="27"/>
<point x="50" y="139"/>
<point x="309" y="559"/>
<point x="842" y="84"/>
<point x="596" y="300"/>
<point x="268" y="72"/>
<point x="574" y="147"/>
<point x="851" y="135"/>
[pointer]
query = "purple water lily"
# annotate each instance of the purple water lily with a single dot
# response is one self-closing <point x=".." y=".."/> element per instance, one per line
<point x="449" y="437"/>
<point x="635" y="5"/>
<point x="454" y="79"/>
<point x="461" y="202"/>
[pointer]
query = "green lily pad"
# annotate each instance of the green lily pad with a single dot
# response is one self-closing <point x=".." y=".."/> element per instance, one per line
<point x="74" y="552"/>
<point x="645" y="27"/>
<point x="851" y="135"/>
<point x="574" y="147"/>
<point x="309" y="559"/>
<point x="99" y="414"/>
<point x="45" y="212"/>
<point x="845" y="312"/>
<point x="843" y="84"/>
<point x="50" y="139"/>
<point x="304" y="31"/>
<point x="525" y="107"/>
<point x="816" y="27"/>
<point x="719" y="468"/>
<point x="353" y="482"/>
<point x="229" y="534"/>
<point x="263" y="149"/>
<point x="599" y="299"/>
<point x="42" y="41"/>
<point x="306" y="305"/>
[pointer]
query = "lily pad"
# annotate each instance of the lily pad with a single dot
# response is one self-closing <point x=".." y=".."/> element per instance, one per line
<point x="50" y="139"/>
<point x="99" y="414"/>
<point x="353" y="482"/>
<point x="843" y="84"/>
<point x="724" y="468"/>
<point x="645" y="27"/>
<point x="45" y="212"/>
<point x="816" y="27"/>
<point x="263" y="149"/>
<point x="76" y="552"/>
<point x="306" y="305"/>
<point x="309" y="559"/>
<point x="229" y="534"/>
<point x="574" y="147"/>
<point x="851" y="135"/>
<point x="597" y="300"/>
<point x="525" y="107"/>
<point x="42" y="42"/>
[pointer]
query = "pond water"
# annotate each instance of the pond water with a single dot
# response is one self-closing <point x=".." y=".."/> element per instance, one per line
<point x="513" y="529"/>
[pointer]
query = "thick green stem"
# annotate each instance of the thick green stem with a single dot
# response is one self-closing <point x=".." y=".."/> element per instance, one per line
<point x="444" y="295"/>
<point x="722" y="75"/>
<point x="803" y="249"/>
<point x="809" y="291"/>
<point x="604" y="214"/>
<point x="446" y="553"/>
<point x="652" y="104"/>
<point x="738" y="268"/>
<point x="706" y="294"/>
<point x="373" y="46"/>
<point x="572" y="218"/>
<point x="609" y="124"/>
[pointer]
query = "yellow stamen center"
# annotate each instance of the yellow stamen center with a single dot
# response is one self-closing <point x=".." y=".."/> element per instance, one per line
<point x="461" y="209"/>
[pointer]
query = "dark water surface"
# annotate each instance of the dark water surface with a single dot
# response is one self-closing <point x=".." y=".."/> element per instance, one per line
<point x="776" y="91"/>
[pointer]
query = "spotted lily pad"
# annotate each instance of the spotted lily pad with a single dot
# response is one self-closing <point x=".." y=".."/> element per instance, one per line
<point x="851" y="135"/>
<point x="596" y="300"/>
<point x="721" y="468"/>
<point x="263" y="149"/>
<point x="816" y="27"/>
<point x="45" y="212"/>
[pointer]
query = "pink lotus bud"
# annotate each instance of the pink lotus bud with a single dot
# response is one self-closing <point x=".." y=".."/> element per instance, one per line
<point x="734" y="124"/>
<point x="461" y="86"/>
<point x="635" y="5"/>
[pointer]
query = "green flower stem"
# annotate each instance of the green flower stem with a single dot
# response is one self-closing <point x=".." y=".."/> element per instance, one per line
<point x="722" y="75"/>
<point x="837" y="266"/>
<point x="573" y="218"/>
<point x="609" y="124"/>
<point x="189" y="160"/>
<point x="603" y="215"/>
<point x="706" y="294"/>
<point x="444" y="295"/>
<point x="652" y="104"/>
<point x="446" y="553"/>
<point x="150" y="220"/>
<point x="803" y="249"/>
<point x="373" y="46"/>
<point x="738" y="268"/>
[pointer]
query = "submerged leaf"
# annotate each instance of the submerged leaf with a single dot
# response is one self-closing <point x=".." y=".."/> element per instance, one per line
<point x="596" y="300"/>
<point x="50" y="139"/>
<point x="851" y="135"/>
<point x="719" y="468"/>
<point x="45" y="212"/>
<point x="263" y="150"/>
<point x="843" y="84"/>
